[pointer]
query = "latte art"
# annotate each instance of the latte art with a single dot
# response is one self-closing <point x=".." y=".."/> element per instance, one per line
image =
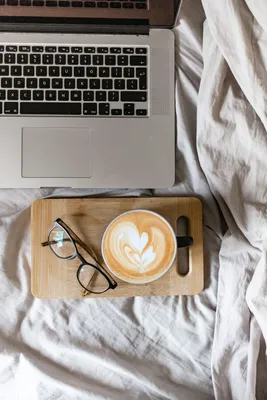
<point x="139" y="246"/>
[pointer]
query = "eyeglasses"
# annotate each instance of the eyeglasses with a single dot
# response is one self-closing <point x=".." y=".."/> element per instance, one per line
<point x="92" y="277"/>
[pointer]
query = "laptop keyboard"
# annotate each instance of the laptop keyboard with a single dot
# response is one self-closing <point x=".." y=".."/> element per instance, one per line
<point x="104" y="81"/>
<point x="126" y="4"/>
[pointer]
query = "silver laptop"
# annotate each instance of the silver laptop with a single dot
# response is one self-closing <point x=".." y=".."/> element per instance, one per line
<point x="87" y="94"/>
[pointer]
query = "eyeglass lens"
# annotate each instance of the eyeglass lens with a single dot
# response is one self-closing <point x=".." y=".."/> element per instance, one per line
<point x="61" y="243"/>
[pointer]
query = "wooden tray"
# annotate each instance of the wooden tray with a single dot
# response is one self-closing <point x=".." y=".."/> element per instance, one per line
<point x="88" y="218"/>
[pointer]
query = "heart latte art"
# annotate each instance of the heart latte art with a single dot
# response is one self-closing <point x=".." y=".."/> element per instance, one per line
<point x="139" y="246"/>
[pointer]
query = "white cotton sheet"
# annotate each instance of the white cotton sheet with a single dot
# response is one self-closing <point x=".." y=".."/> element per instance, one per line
<point x="187" y="348"/>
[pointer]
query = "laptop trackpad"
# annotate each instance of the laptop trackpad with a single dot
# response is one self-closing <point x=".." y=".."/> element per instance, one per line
<point x="56" y="153"/>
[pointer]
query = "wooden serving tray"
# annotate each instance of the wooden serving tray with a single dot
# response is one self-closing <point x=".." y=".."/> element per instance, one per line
<point x="88" y="218"/>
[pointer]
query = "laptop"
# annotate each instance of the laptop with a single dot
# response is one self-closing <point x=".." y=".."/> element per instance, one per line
<point x="87" y="94"/>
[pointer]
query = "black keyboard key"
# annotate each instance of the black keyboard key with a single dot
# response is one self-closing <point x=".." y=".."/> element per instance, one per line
<point x="51" y="3"/>
<point x="104" y="72"/>
<point x="69" y="84"/>
<point x="104" y="109"/>
<point x="54" y="71"/>
<point x="10" y="58"/>
<point x="73" y="59"/>
<point x="38" y="3"/>
<point x="60" y="59"/>
<point x="57" y="83"/>
<point x="11" y="108"/>
<point x="102" y="4"/>
<point x="41" y="71"/>
<point x="141" y="112"/>
<point x="37" y="49"/>
<point x="128" y="72"/>
<point x="63" y="95"/>
<point x="2" y="48"/>
<point x="28" y="71"/>
<point x="31" y="83"/>
<point x="12" y="94"/>
<point x="119" y="84"/>
<point x="90" y="50"/>
<point x="48" y="59"/>
<point x="98" y="60"/>
<point x="19" y="83"/>
<point x="133" y="96"/>
<point x="38" y="95"/>
<point x="128" y="109"/>
<point x="85" y="59"/>
<point x="79" y="72"/>
<point x="51" y="95"/>
<point x="115" y="50"/>
<point x="141" y="50"/>
<point x="76" y="95"/>
<point x="116" y="72"/>
<point x="76" y="49"/>
<point x="91" y="72"/>
<point x="128" y="50"/>
<point x="64" y="49"/>
<point x="138" y="60"/>
<point x="66" y="71"/>
<point x="90" y="4"/>
<point x="51" y="49"/>
<point x="25" y="3"/>
<point x="115" y="5"/>
<point x="141" y="6"/>
<point x="110" y="60"/>
<point x="132" y="84"/>
<point x="123" y="60"/>
<point x="22" y="59"/>
<point x="2" y="94"/>
<point x="4" y="71"/>
<point x="141" y="72"/>
<point x="88" y="95"/>
<point x="101" y="96"/>
<point x="94" y="83"/>
<point x="1" y="108"/>
<point x="16" y="70"/>
<point x="113" y="96"/>
<point x="90" y="108"/>
<point x="116" y="111"/>
<point x="12" y="48"/>
<point x="82" y="83"/>
<point x="143" y="83"/>
<point x="128" y="5"/>
<point x="24" y="49"/>
<point x="107" y="83"/>
<point x="35" y="59"/>
<point x="64" y="4"/>
<point x="25" y="95"/>
<point x="6" y="83"/>
<point x="50" y="109"/>
<point x="44" y="83"/>
<point x="77" y="4"/>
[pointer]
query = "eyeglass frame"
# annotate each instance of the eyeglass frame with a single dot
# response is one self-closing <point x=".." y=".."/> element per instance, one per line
<point x="75" y="239"/>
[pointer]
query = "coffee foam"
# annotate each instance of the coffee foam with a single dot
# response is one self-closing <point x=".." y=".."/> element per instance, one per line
<point x="139" y="246"/>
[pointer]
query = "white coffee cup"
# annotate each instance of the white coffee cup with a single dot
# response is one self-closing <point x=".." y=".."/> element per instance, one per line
<point x="139" y="246"/>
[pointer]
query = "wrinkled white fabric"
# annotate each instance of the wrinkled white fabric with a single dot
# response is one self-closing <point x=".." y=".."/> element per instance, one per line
<point x="187" y="348"/>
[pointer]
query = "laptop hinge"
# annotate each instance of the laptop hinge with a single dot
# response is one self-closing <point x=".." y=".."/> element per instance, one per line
<point x="74" y="25"/>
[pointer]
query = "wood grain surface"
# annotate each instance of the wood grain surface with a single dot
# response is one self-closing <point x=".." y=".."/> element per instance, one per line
<point x="88" y="218"/>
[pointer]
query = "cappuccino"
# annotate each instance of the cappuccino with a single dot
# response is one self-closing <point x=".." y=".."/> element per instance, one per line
<point x="139" y="246"/>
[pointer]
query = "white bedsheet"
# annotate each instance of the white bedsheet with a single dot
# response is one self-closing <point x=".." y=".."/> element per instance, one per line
<point x="186" y="348"/>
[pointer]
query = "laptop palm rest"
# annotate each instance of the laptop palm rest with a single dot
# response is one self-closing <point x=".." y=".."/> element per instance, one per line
<point x="56" y="153"/>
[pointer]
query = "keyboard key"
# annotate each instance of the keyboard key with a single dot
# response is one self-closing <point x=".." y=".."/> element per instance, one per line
<point x="140" y="72"/>
<point x="141" y="112"/>
<point x="116" y="111"/>
<point x="143" y="83"/>
<point x="88" y="95"/>
<point x="102" y="50"/>
<point x="85" y="59"/>
<point x="141" y="50"/>
<point x="66" y="71"/>
<point x="25" y="95"/>
<point x="57" y="83"/>
<point x="101" y="96"/>
<point x="107" y="83"/>
<point x="24" y="49"/>
<point x="54" y="71"/>
<point x="51" y="95"/>
<point x="60" y="59"/>
<point x="119" y="84"/>
<point x="73" y="59"/>
<point x="1" y="108"/>
<point x="25" y="3"/>
<point x="22" y="59"/>
<point x="28" y="71"/>
<point x="113" y="96"/>
<point x="89" y="50"/>
<point x="138" y="60"/>
<point x="90" y="4"/>
<point x="37" y="49"/>
<point x="132" y="84"/>
<point x="76" y="49"/>
<point x="91" y="72"/>
<point x="128" y="109"/>
<point x="63" y="49"/>
<point x="11" y="108"/>
<point x="63" y="95"/>
<point x="51" y="3"/>
<point x="51" y="49"/>
<point x="115" y="5"/>
<point x="38" y="95"/>
<point x="19" y="83"/>
<point x="123" y="60"/>
<point x="116" y="72"/>
<point x="79" y="72"/>
<point x="90" y="108"/>
<point x="11" y="49"/>
<point x="94" y="83"/>
<point x="16" y="70"/>
<point x="41" y="71"/>
<point x="128" y="5"/>
<point x="6" y="83"/>
<point x="98" y="60"/>
<point x="44" y="83"/>
<point x="76" y="95"/>
<point x="69" y="83"/>
<point x="76" y="4"/>
<point x="128" y="72"/>
<point x="133" y="96"/>
<point x="4" y="71"/>
<point x="48" y="59"/>
<point x="104" y="72"/>
<point x="12" y="94"/>
<point x="104" y="109"/>
<point x="102" y="4"/>
<point x="115" y="50"/>
<point x="141" y="6"/>
<point x="82" y="83"/>
<point x="38" y="3"/>
<point x="50" y="109"/>
<point x="2" y="94"/>
<point x="10" y="58"/>
<point x="35" y="59"/>
<point x="128" y="50"/>
<point x="31" y="83"/>
<point x="110" y="60"/>
<point x="64" y="4"/>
